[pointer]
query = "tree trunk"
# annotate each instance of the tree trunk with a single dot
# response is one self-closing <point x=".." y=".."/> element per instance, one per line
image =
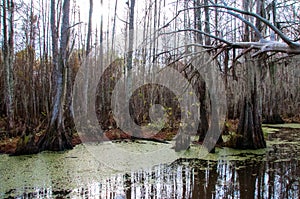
<point x="129" y="60"/>
<point x="59" y="133"/>
<point x="203" y="127"/>
<point x="207" y="23"/>
<point x="87" y="66"/>
<point x="198" y="24"/>
<point x="131" y="36"/>
<point x="250" y="134"/>
<point x="8" y="53"/>
<point x="246" y="36"/>
<point x="114" y="31"/>
<point x="272" y="116"/>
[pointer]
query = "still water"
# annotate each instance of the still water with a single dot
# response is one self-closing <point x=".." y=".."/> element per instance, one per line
<point x="154" y="170"/>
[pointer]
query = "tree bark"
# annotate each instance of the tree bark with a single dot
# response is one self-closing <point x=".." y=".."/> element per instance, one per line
<point x="249" y="132"/>
<point x="271" y="115"/>
<point x="198" y="25"/>
<point x="203" y="127"/>
<point x="207" y="23"/>
<point x="130" y="57"/>
<point x="131" y="36"/>
<point x="8" y="53"/>
<point x="87" y="66"/>
<point x="61" y="126"/>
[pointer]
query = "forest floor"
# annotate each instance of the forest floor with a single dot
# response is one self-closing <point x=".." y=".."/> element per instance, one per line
<point x="9" y="141"/>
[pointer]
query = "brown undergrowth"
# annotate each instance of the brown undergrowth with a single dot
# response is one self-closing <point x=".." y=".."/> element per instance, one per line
<point x="9" y="140"/>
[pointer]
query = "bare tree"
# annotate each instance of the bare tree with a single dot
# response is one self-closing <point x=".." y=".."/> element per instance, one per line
<point x="87" y="69"/>
<point x="61" y="124"/>
<point x="8" y="58"/>
<point x="207" y="23"/>
<point x="131" y="35"/>
<point x="130" y="51"/>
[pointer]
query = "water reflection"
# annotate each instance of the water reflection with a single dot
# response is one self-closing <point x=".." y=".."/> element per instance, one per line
<point x="191" y="179"/>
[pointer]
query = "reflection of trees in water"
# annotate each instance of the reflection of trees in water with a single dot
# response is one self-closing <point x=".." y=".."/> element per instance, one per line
<point x="284" y="179"/>
<point x="192" y="179"/>
<point x="205" y="179"/>
<point x="163" y="182"/>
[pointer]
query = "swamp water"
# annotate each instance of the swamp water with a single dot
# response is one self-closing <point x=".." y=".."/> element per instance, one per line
<point x="153" y="170"/>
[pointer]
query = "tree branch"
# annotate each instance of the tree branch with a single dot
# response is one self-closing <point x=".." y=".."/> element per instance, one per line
<point x="262" y="46"/>
<point x="289" y="42"/>
<point x="201" y="32"/>
<point x="258" y="33"/>
<point x="271" y="26"/>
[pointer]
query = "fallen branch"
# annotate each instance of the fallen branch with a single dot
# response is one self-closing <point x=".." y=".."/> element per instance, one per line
<point x="262" y="46"/>
<point x="149" y="139"/>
